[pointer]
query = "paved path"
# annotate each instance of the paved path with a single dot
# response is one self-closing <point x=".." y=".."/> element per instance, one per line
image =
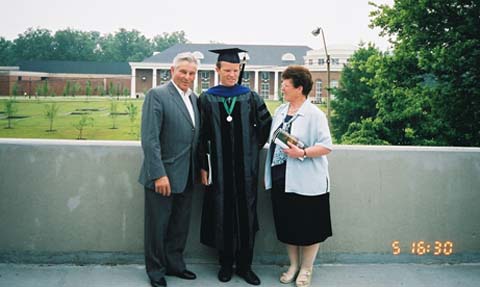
<point x="368" y="275"/>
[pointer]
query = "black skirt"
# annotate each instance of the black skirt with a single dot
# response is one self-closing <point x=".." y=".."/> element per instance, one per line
<point x="299" y="220"/>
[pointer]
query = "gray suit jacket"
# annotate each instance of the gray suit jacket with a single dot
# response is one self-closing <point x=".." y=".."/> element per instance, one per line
<point x="169" y="139"/>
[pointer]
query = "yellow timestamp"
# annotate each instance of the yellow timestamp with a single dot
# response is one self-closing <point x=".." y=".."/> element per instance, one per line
<point x="421" y="247"/>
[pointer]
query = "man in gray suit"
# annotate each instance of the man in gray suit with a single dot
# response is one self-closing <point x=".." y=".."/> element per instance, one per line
<point x="170" y="130"/>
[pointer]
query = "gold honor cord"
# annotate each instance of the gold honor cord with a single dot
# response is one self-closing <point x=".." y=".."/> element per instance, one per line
<point x="228" y="109"/>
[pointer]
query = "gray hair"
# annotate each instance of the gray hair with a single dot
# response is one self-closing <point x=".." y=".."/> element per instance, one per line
<point x="185" y="56"/>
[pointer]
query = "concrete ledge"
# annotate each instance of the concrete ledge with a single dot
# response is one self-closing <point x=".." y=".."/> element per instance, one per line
<point x="79" y="201"/>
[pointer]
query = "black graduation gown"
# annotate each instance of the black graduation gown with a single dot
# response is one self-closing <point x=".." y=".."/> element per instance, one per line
<point x="229" y="207"/>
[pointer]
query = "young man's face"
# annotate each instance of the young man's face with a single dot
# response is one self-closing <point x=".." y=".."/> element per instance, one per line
<point x="228" y="73"/>
<point x="184" y="74"/>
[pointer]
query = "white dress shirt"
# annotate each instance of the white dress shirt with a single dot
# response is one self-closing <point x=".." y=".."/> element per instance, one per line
<point x="186" y="99"/>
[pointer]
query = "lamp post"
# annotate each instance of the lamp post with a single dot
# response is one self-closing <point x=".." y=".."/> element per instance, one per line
<point x="315" y="33"/>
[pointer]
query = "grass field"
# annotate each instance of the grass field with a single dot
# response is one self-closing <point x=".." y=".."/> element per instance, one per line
<point x="34" y="124"/>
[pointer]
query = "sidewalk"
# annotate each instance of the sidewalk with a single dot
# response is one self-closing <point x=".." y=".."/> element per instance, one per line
<point x="368" y="275"/>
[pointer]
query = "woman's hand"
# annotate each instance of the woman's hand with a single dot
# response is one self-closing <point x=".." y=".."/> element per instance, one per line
<point x="294" y="151"/>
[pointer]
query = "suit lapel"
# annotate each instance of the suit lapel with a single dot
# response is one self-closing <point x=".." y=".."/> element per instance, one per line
<point x="177" y="98"/>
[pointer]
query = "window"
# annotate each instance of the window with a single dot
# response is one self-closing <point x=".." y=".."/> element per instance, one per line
<point x="165" y="75"/>
<point x="19" y="78"/>
<point x="318" y="91"/>
<point x="204" y="80"/>
<point x="246" y="84"/>
<point x="310" y="62"/>
<point x="265" y="90"/>
<point x="265" y="76"/>
<point x="246" y="79"/>
<point x="205" y="85"/>
<point x="321" y="61"/>
<point x="335" y="61"/>
<point x="205" y="76"/>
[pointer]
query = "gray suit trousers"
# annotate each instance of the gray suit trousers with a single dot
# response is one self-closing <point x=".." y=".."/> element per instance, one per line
<point x="167" y="221"/>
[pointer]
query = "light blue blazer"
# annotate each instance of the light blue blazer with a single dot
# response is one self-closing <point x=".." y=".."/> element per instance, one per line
<point x="308" y="177"/>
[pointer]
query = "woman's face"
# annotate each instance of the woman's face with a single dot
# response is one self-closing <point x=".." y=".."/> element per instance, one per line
<point x="290" y="93"/>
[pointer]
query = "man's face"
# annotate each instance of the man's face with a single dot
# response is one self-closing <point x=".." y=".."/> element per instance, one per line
<point x="184" y="74"/>
<point x="228" y="73"/>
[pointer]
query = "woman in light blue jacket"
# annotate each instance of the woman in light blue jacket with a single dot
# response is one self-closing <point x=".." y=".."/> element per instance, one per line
<point x="298" y="175"/>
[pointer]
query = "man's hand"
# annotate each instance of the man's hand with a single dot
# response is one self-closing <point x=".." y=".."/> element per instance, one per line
<point x="162" y="186"/>
<point x="204" y="176"/>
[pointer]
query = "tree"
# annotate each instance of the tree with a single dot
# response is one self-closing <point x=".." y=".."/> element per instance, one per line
<point x="118" y="90"/>
<point x="442" y="40"/>
<point x="50" y="113"/>
<point x="34" y="44"/>
<point x="45" y="88"/>
<point x="100" y="90"/>
<point x="88" y="89"/>
<point x="126" y="92"/>
<point x="74" y="45"/>
<point x="7" y="56"/>
<point x="75" y="89"/>
<point x="66" y="89"/>
<point x="84" y="121"/>
<point x="366" y="132"/>
<point x="113" y="112"/>
<point x="111" y="89"/>
<point x="165" y="41"/>
<point x="125" y="46"/>
<point x="354" y="100"/>
<point x="15" y="89"/>
<point x="10" y="111"/>
<point x="132" y="111"/>
<point x="38" y="90"/>
<point x="403" y="99"/>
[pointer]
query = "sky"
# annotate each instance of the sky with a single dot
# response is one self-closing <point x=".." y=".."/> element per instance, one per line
<point x="274" y="22"/>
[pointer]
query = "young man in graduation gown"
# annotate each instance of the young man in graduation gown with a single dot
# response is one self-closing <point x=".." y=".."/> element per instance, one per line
<point x="235" y="124"/>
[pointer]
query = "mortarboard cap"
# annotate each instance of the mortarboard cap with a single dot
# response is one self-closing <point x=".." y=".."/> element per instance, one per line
<point x="228" y="55"/>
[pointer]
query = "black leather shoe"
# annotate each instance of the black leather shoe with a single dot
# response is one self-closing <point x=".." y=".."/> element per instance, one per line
<point x="249" y="277"/>
<point x="185" y="274"/>
<point x="225" y="273"/>
<point x="159" y="283"/>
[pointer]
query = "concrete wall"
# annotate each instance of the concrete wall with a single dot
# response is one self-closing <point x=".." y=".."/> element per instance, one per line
<point x="79" y="201"/>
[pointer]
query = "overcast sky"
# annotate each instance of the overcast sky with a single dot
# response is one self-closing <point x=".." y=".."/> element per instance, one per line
<point x="275" y="22"/>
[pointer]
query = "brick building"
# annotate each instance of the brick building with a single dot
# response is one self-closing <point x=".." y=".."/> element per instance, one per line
<point x="265" y="64"/>
<point x="30" y="77"/>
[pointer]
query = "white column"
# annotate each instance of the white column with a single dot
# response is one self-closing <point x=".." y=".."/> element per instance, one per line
<point x="133" y="82"/>
<point x="154" y="78"/>
<point x="275" y="89"/>
<point x="256" y="81"/>
<point x="195" y="84"/>
<point x="215" y="78"/>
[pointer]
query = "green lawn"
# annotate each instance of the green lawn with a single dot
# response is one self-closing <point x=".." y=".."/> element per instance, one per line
<point x="35" y="125"/>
